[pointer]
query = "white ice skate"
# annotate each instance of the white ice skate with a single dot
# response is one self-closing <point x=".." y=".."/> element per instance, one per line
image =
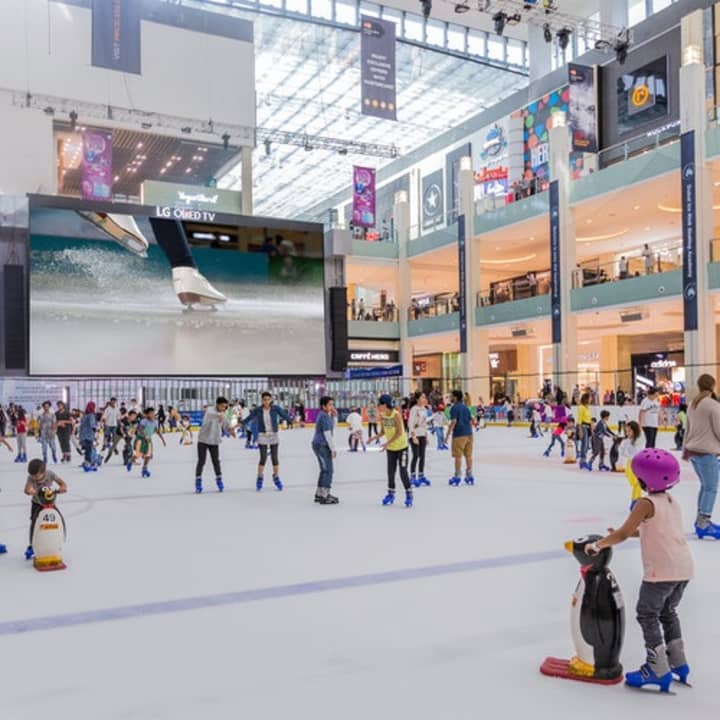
<point x="192" y="288"/>
<point x="121" y="228"/>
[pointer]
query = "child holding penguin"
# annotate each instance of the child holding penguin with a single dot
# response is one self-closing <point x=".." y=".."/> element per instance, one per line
<point x="656" y="518"/>
<point x="39" y="479"/>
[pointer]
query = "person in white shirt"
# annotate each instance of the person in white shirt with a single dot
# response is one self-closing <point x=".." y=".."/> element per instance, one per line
<point x="624" y="267"/>
<point x="439" y="421"/>
<point x="110" y="420"/>
<point x="417" y="427"/>
<point x="649" y="417"/>
<point x="355" y="438"/>
<point x="648" y="257"/>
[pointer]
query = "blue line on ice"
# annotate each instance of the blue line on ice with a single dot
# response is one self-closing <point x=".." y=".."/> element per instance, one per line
<point x="167" y="607"/>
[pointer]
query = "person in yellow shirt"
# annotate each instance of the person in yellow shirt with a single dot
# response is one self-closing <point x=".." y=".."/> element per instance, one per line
<point x="584" y="428"/>
<point x="396" y="447"/>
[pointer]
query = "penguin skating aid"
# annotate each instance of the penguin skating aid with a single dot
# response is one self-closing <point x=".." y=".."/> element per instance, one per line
<point x="597" y="622"/>
<point x="48" y="535"/>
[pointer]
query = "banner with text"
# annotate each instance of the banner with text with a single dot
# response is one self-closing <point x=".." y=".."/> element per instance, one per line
<point x="96" y="166"/>
<point x="689" y="231"/>
<point x="377" y="76"/>
<point x="363" y="214"/>
<point x="116" y="35"/>
<point x="555" y="305"/>
<point x="582" y="108"/>
<point x="462" y="284"/>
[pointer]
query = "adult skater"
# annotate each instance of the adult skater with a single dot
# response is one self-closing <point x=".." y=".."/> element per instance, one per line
<point x="355" y="430"/>
<point x="462" y="439"/>
<point x="323" y="446"/>
<point x="372" y="414"/>
<point x="64" y="429"/>
<point x="214" y="424"/>
<point x="702" y="447"/>
<point x="649" y="417"/>
<point x="46" y="431"/>
<point x="39" y="478"/>
<point x="418" y="428"/>
<point x="111" y="421"/>
<point x="86" y="436"/>
<point x="668" y="567"/>
<point x="267" y="417"/>
<point x="396" y="447"/>
<point x="584" y="428"/>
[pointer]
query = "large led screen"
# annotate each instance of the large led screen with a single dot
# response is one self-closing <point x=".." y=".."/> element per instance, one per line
<point x="642" y="96"/>
<point x="131" y="290"/>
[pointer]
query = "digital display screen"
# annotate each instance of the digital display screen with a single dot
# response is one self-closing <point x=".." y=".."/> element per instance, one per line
<point x="642" y="96"/>
<point x="133" y="290"/>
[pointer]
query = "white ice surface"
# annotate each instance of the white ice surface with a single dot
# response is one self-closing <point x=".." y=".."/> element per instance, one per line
<point x="465" y="644"/>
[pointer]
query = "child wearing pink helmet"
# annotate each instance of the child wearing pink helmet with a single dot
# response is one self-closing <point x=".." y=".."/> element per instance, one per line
<point x="657" y="520"/>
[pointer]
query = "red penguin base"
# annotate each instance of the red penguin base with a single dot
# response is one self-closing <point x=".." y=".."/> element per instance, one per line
<point x="556" y="667"/>
<point x="49" y="568"/>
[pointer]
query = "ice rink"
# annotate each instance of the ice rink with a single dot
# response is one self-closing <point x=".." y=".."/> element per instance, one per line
<point x="267" y="606"/>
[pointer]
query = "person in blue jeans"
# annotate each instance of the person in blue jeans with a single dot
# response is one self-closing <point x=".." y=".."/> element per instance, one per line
<point x="267" y="417"/>
<point x="86" y="436"/>
<point x="323" y="446"/>
<point x="701" y="447"/>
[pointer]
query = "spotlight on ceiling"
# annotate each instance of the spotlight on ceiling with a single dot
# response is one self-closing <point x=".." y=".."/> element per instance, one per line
<point x="226" y="141"/>
<point x="308" y="147"/>
<point x="187" y="130"/>
<point x="49" y="110"/>
<point x="499" y="20"/>
<point x="547" y="33"/>
<point x="146" y="125"/>
<point x="268" y="148"/>
<point x="343" y="151"/>
<point x="514" y="19"/>
<point x="621" y="48"/>
<point x="426" y="8"/>
<point x="462" y="7"/>
<point x="73" y="120"/>
<point x="563" y="37"/>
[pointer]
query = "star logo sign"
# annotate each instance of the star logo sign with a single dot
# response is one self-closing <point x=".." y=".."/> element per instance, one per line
<point x="432" y="200"/>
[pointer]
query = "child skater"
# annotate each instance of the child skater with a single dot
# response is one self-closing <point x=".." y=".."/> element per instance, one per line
<point x="535" y="420"/>
<point x="267" y="418"/>
<point x="633" y="443"/>
<point x="599" y="433"/>
<point x="21" y="436"/>
<point x="39" y="478"/>
<point x="147" y="427"/>
<point x="355" y="428"/>
<point x="185" y="431"/>
<point x="396" y="447"/>
<point x="439" y="421"/>
<point x="570" y="442"/>
<point x="657" y="520"/>
<point x="323" y="446"/>
<point x="214" y="425"/>
<point x="417" y="426"/>
<point x="557" y="436"/>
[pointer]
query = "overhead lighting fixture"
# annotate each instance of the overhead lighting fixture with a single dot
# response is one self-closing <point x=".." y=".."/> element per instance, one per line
<point x="621" y="47"/>
<point x="524" y="258"/>
<point x="146" y="125"/>
<point x="461" y="8"/>
<point x="499" y="20"/>
<point x="514" y="19"/>
<point x="426" y="8"/>
<point x="547" y="33"/>
<point x="563" y="37"/>
<point x="600" y="238"/>
<point x="73" y="120"/>
<point x="226" y="141"/>
<point x="343" y="151"/>
<point x="187" y="130"/>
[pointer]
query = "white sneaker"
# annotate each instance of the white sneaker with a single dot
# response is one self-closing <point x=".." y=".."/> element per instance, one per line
<point x="121" y="228"/>
<point x="192" y="288"/>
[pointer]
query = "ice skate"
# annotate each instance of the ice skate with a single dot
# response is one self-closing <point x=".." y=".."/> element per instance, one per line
<point x="145" y="472"/>
<point x="409" y="500"/>
<point x="219" y="483"/>
<point x="259" y="484"/>
<point x="3" y="549"/>
<point x="469" y="480"/>
<point x="389" y="499"/>
<point x="656" y="671"/>
<point x="323" y="497"/>
<point x="604" y="468"/>
<point x="546" y="453"/>
<point x="454" y="481"/>
<point x="121" y="228"/>
<point x="710" y="530"/>
<point x="198" y="485"/>
<point x="29" y="554"/>
<point x="423" y="481"/>
<point x="193" y="288"/>
<point x="278" y="483"/>
<point x="18" y="459"/>
<point x="414" y="481"/>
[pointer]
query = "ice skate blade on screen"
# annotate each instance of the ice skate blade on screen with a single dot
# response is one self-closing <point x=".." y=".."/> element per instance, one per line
<point x="192" y="288"/>
<point x="121" y="228"/>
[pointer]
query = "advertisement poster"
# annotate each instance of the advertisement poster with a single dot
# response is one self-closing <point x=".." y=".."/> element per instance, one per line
<point x="377" y="63"/>
<point x="689" y="235"/>
<point x="555" y="305"/>
<point x="642" y="96"/>
<point x="452" y="177"/>
<point x="462" y="284"/>
<point x="96" y="166"/>
<point x="116" y="35"/>
<point x="582" y="108"/>
<point x="363" y="214"/>
<point x="433" y="201"/>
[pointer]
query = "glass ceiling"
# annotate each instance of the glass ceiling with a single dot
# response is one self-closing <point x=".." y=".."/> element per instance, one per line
<point x="308" y="81"/>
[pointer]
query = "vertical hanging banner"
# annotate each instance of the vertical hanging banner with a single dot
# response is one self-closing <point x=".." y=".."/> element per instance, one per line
<point x="555" y="305"/>
<point x="582" y="108"/>
<point x="116" y="35"/>
<point x="363" y="213"/>
<point x="462" y="284"/>
<point x="689" y="231"/>
<point x="377" y="67"/>
<point x="96" y="166"/>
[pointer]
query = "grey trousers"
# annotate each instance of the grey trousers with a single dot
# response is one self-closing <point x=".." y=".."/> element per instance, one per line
<point x="657" y="611"/>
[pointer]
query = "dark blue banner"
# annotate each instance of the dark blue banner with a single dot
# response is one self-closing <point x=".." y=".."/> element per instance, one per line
<point x="380" y="372"/>
<point x="377" y="67"/>
<point x="689" y="230"/>
<point x="116" y="35"/>
<point x="461" y="281"/>
<point x="555" y="305"/>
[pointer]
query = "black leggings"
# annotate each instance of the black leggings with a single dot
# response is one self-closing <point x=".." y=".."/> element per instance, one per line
<point x="650" y="436"/>
<point x="273" y="454"/>
<point x="395" y="459"/>
<point x="170" y="236"/>
<point x="418" y="455"/>
<point x="202" y="451"/>
<point x="372" y="429"/>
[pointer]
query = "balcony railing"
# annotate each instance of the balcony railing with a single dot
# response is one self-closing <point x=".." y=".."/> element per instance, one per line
<point x="444" y="304"/>
<point x="373" y="313"/>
